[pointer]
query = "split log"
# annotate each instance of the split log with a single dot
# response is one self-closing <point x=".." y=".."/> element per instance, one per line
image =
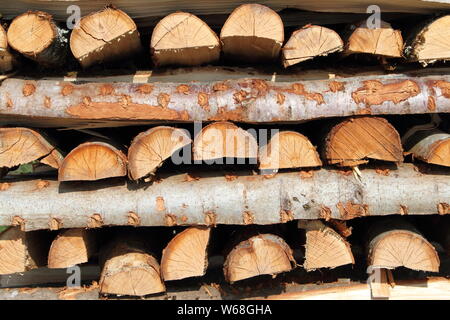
<point x="7" y="60"/>
<point x="224" y="140"/>
<point x="431" y="146"/>
<point x="354" y="140"/>
<point x="427" y="44"/>
<point x="310" y="42"/>
<point x="72" y="247"/>
<point x="21" y="145"/>
<point x="149" y="149"/>
<point x="288" y="149"/>
<point x="324" y="247"/>
<point x="104" y="36"/>
<point x="212" y="199"/>
<point x="128" y="268"/>
<point x="258" y="255"/>
<point x="394" y="242"/>
<point x="36" y="36"/>
<point x="252" y="32"/>
<point x="93" y="161"/>
<point x="383" y="41"/>
<point x="183" y="39"/>
<point x="186" y="254"/>
<point x="243" y="100"/>
<point x="22" y="251"/>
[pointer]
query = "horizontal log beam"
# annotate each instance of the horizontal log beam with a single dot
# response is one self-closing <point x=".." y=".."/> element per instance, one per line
<point x="214" y="199"/>
<point x="246" y="100"/>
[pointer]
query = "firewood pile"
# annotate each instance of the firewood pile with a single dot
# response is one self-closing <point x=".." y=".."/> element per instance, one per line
<point x="238" y="146"/>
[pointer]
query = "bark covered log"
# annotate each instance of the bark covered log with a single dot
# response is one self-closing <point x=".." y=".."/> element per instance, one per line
<point x="209" y="200"/>
<point x="236" y="100"/>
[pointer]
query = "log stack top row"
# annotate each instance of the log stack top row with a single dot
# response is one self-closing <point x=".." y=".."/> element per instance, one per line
<point x="252" y="33"/>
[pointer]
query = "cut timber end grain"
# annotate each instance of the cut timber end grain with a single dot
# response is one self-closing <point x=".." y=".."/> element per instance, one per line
<point x="431" y="146"/>
<point x="325" y="248"/>
<point x="310" y="42"/>
<point x="71" y="247"/>
<point x="22" y="251"/>
<point x="150" y="148"/>
<point x="93" y="161"/>
<point x="22" y="145"/>
<point x="258" y="255"/>
<point x="186" y="254"/>
<point x="130" y="271"/>
<point x="184" y="39"/>
<point x="35" y="35"/>
<point x="252" y="32"/>
<point x="394" y="243"/>
<point x="383" y="41"/>
<point x="224" y="140"/>
<point x="105" y="36"/>
<point x="354" y="140"/>
<point x="288" y="149"/>
<point x="431" y="43"/>
<point x="7" y="60"/>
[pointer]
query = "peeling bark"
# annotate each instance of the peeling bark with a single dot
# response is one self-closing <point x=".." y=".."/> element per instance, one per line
<point x="211" y="200"/>
<point x="246" y="100"/>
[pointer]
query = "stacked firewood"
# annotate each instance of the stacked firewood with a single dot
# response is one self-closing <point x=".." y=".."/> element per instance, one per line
<point x="283" y="163"/>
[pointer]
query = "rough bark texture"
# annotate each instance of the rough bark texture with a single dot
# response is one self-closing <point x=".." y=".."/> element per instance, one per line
<point x="36" y="36"/>
<point x="394" y="242"/>
<point x="22" y="251"/>
<point x="106" y="35"/>
<point x="72" y="247"/>
<point x="431" y="146"/>
<point x="236" y="100"/>
<point x="211" y="200"/>
<point x="93" y="161"/>
<point x="258" y="255"/>
<point x="324" y="247"/>
<point x="186" y="254"/>
<point x="184" y="39"/>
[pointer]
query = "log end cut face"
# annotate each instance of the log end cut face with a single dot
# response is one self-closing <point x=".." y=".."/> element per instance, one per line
<point x="288" y="149"/>
<point x="186" y="254"/>
<point x="21" y="145"/>
<point x="383" y="41"/>
<point x="13" y="251"/>
<point x="31" y="33"/>
<point x="150" y="148"/>
<point x="183" y="39"/>
<point x="93" y="161"/>
<point x="432" y="42"/>
<point x="252" y="32"/>
<point x="403" y="248"/>
<point x="353" y="141"/>
<point x="70" y="248"/>
<point x="3" y="40"/>
<point x="259" y="255"/>
<point x="325" y="248"/>
<point x="105" y="35"/>
<point x="310" y="42"/>
<point x="132" y="273"/>
<point x="433" y="148"/>
<point x="224" y="140"/>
